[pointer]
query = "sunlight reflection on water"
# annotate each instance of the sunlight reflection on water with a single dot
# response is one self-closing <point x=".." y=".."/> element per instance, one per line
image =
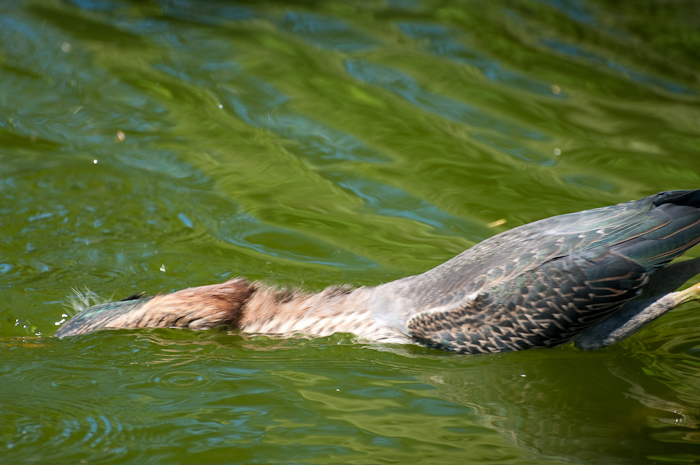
<point x="160" y="145"/>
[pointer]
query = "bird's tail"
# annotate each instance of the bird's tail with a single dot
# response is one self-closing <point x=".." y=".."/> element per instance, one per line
<point x="671" y="228"/>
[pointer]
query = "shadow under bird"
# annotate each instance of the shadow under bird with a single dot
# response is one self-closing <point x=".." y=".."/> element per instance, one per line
<point x="593" y="277"/>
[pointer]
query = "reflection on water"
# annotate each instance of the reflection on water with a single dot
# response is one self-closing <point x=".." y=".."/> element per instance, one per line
<point x="441" y="42"/>
<point x="402" y="84"/>
<point x="574" y="51"/>
<point x="326" y="32"/>
<point x="151" y="146"/>
<point x="217" y="394"/>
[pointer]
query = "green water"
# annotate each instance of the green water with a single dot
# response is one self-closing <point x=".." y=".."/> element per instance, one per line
<point x="156" y="145"/>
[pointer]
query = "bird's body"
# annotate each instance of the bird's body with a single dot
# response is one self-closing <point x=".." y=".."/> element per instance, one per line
<point x="587" y="275"/>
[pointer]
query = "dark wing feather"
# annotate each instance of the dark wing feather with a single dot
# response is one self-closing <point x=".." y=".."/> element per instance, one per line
<point x="543" y="283"/>
<point x="542" y="307"/>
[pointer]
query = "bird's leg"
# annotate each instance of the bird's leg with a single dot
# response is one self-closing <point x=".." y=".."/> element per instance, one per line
<point x="654" y="302"/>
<point x="650" y="313"/>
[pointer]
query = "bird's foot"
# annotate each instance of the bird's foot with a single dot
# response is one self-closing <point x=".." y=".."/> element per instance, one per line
<point x="633" y="317"/>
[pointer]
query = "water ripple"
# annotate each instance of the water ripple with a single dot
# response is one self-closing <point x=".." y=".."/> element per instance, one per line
<point x="442" y="42"/>
<point x="636" y="76"/>
<point x="181" y="379"/>
<point x="63" y="425"/>
<point x="326" y="32"/>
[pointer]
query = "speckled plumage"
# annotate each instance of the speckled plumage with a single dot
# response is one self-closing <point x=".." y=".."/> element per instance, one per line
<point x="538" y="285"/>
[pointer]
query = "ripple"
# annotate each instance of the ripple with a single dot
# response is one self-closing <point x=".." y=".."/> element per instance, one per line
<point x="182" y="379"/>
<point x="37" y="429"/>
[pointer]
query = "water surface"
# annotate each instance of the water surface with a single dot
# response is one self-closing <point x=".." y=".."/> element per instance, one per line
<point x="156" y="145"/>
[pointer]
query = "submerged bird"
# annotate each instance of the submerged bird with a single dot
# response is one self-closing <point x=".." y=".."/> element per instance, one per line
<point x="594" y="277"/>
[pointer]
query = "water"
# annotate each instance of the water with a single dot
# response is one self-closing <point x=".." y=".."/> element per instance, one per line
<point x="152" y="146"/>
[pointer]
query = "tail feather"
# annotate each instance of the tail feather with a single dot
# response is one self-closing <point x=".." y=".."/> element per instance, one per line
<point x="672" y="228"/>
<point x="688" y="198"/>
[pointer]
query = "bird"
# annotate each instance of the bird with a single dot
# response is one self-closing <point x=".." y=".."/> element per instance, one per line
<point x="592" y="277"/>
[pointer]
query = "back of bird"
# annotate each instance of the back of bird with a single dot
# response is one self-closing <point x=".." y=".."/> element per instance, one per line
<point x="671" y="227"/>
<point x="542" y="284"/>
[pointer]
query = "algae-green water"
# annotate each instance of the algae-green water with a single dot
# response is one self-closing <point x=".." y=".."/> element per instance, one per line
<point x="149" y="146"/>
